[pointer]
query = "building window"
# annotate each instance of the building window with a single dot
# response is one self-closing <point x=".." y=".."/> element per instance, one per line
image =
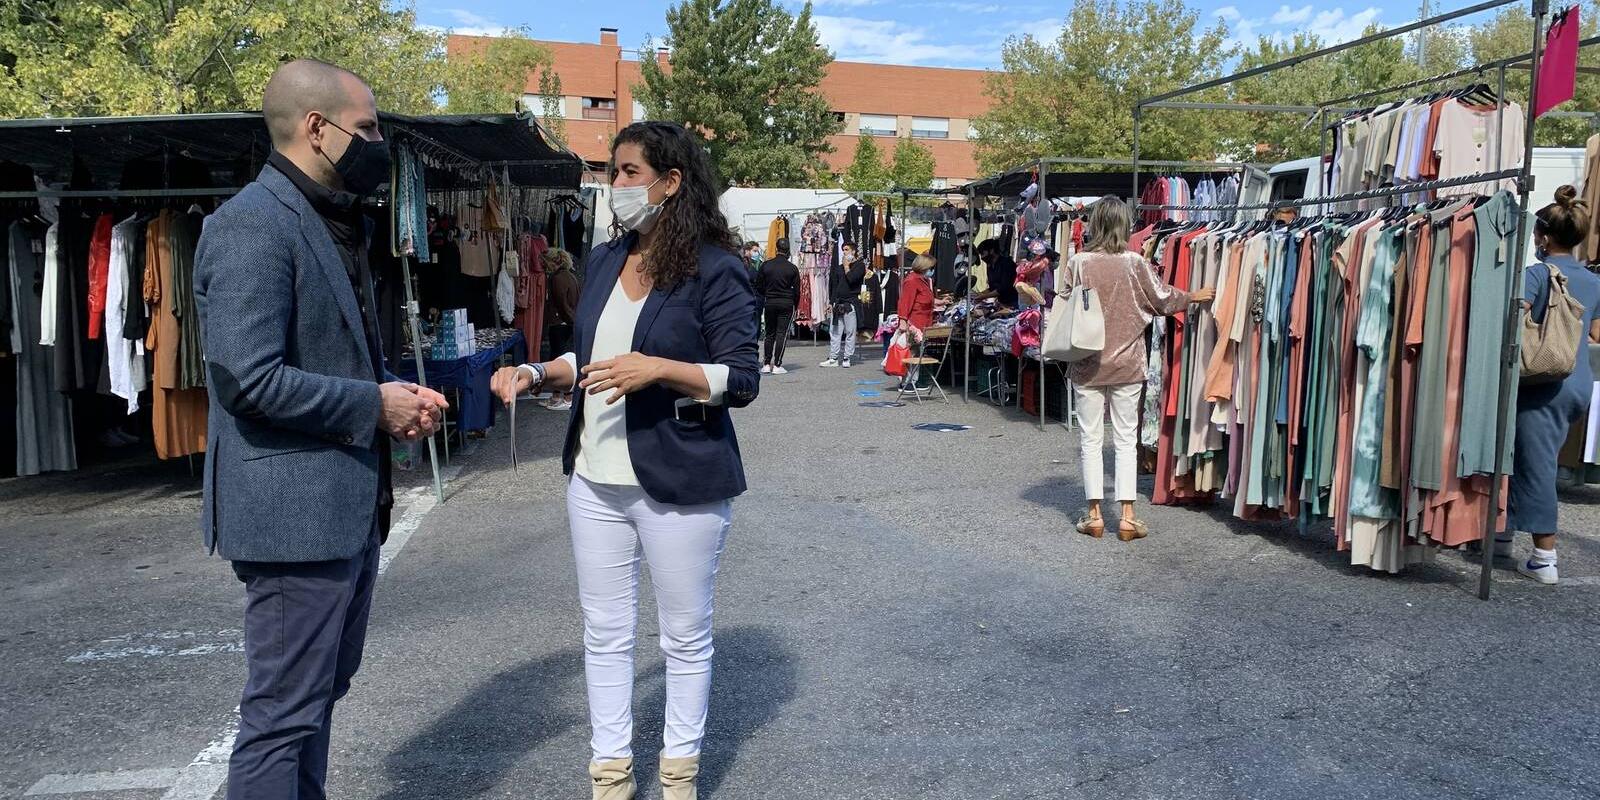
<point x="535" y="103"/>
<point x="877" y="125"/>
<point x="939" y="183"/>
<point x="838" y="116"/>
<point x="972" y="131"/>
<point x="600" y="108"/>
<point x="930" y="128"/>
<point x="639" y="114"/>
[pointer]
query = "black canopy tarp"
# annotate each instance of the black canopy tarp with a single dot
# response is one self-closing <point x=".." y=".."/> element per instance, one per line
<point x="226" y="150"/>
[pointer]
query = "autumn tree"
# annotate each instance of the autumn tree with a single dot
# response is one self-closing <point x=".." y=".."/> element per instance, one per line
<point x="74" y="58"/>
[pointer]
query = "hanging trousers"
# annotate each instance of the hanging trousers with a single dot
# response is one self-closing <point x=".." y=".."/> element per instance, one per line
<point x="779" y="319"/>
<point x="612" y="526"/>
<point x="1091" y="407"/>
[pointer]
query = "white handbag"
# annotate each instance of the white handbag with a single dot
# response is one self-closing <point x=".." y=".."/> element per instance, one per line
<point x="1076" y="327"/>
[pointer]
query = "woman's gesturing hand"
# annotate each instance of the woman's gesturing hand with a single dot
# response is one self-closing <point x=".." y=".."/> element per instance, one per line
<point x="626" y="374"/>
<point x="508" y="382"/>
<point x="1202" y="295"/>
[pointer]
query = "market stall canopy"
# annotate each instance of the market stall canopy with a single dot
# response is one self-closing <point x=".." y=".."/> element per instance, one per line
<point x="755" y="208"/>
<point x="226" y="150"/>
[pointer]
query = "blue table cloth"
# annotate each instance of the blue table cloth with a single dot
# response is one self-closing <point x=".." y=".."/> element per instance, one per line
<point x="469" y="375"/>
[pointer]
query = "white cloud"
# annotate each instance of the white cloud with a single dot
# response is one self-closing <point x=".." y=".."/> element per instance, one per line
<point x="1332" y="26"/>
<point x="846" y="3"/>
<point x="1335" y="26"/>
<point x="467" y="23"/>
<point x="1288" y="16"/>
<point x="890" y="42"/>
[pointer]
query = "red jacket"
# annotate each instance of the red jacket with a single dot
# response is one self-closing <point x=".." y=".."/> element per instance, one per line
<point x="99" y="273"/>
<point x="916" y="300"/>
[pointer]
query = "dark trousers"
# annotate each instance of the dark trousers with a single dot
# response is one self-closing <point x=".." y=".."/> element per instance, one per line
<point x="778" y="322"/>
<point x="305" y="625"/>
<point x="560" y="340"/>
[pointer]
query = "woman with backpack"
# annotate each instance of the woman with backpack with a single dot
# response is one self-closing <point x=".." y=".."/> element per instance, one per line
<point x="1546" y="410"/>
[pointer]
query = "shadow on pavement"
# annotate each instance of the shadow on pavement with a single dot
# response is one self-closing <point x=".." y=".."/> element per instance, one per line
<point x="469" y="750"/>
<point x="753" y="677"/>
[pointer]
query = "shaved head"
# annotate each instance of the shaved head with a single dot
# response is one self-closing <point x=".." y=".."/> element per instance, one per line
<point x="301" y="87"/>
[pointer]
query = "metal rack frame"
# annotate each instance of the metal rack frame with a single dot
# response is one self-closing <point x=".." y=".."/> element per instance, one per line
<point x="1540" y="11"/>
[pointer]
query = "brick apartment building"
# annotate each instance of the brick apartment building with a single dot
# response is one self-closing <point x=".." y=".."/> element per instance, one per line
<point x="931" y="104"/>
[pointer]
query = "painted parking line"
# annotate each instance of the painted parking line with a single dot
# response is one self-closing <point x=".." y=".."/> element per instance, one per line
<point x="209" y="769"/>
<point x="119" y="781"/>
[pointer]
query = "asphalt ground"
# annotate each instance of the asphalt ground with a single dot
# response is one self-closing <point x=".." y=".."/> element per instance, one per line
<point x="900" y="614"/>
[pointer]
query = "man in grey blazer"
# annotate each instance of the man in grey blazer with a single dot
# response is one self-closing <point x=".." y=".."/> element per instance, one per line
<point x="297" y="490"/>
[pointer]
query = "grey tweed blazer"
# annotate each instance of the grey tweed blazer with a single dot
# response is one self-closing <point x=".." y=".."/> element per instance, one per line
<point x="291" y="471"/>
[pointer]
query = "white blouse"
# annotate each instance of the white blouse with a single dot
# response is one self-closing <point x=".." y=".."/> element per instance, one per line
<point x="603" y="455"/>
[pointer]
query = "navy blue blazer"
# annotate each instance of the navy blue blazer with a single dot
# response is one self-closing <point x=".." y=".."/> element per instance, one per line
<point x="707" y="319"/>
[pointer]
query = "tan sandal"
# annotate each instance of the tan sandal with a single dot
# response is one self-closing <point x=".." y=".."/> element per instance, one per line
<point x="1094" y="527"/>
<point x="1131" y="529"/>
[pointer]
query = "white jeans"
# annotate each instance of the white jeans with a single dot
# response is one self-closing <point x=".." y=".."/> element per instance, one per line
<point x="1091" y="407"/>
<point x="611" y="526"/>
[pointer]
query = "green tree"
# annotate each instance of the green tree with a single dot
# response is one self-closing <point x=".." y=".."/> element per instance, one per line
<point x="490" y="75"/>
<point x="744" y="75"/>
<point x="867" y="172"/>
<point x="913" y="165"/>
<point x="1074" y="96"/>
<point x="112" y="57"/>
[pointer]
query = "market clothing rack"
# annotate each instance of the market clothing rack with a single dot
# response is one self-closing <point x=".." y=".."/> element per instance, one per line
<point x="462" y="150"/>
<point x="1540" y="11"/>
<point x="1006" y="184"/>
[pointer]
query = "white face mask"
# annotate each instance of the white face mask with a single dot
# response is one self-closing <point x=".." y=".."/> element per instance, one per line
<point x="631" y="205"/>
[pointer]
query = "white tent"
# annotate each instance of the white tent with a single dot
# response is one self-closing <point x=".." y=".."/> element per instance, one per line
<point x="751" y="211"/>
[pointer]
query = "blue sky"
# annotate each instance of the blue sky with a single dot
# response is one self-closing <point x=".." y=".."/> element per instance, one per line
<point x="944" y="33"/>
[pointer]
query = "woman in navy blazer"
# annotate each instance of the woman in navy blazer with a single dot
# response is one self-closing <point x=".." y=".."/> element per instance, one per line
<point x="664" y="345"/>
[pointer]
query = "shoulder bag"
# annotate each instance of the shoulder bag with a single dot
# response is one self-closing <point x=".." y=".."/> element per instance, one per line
<point x="1550" y="348"/>
<point x="1076" y="327"/>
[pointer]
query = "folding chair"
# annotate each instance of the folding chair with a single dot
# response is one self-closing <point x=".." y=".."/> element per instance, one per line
<point x="938" y="336"/>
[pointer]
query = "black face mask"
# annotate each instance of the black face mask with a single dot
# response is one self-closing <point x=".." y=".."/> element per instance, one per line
<point x="365" y="164"/>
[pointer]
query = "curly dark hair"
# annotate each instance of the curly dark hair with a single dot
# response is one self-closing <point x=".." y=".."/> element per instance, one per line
<point x="692" y="216"/>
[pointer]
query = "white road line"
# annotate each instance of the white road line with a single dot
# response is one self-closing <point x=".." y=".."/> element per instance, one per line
<point x="121" y="780"/>
<point x="207" y="772"/>
<point x="132" y="645"/>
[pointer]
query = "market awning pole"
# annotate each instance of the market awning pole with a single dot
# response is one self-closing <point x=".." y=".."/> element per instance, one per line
<point x="1509" y="332"/>
<point x="1044" y="197"/>
<point x="972" y="262"/>
<point x="422" y="376"/>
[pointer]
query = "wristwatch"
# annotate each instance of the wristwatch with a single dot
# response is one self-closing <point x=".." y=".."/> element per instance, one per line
<point x="538" y="373"/>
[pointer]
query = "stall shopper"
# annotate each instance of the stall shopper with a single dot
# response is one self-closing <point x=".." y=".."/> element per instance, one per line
<point x="844" y="283"/>
<point x="916" y="309"/>
<point x="778" y="284"/>
<point x="296" y="489"/>
<point x="1131" y="295"/>
<point x="1001" y="273"/>
<point x="666" y="343"/>
<point x="1544" y="411"/>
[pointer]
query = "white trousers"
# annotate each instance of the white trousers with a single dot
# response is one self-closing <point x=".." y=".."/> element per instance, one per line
<point x="611" y="527"/>
<point x="1091" y="407"/>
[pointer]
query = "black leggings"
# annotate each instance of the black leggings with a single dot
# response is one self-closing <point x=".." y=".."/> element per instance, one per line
<point x="778" y="322"/>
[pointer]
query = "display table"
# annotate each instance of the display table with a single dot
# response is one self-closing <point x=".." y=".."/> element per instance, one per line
<point x="470" y="375"/>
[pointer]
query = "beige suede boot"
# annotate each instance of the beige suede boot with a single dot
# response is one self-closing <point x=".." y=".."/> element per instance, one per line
<point x="613" y="780"/>
<point x="677" y="777"/>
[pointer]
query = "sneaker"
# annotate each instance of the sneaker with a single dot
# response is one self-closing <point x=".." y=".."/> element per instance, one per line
<point x="779" y="371"/>
<point x="560" y="405"/>
<point x="766" y="369"/>
<point x="1543" y="573"/>
<point x="829" y="363"/>
<point x="845" y="363"/>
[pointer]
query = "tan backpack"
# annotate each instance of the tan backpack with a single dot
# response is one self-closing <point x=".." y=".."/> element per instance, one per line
<point x="1550" y="349"/>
